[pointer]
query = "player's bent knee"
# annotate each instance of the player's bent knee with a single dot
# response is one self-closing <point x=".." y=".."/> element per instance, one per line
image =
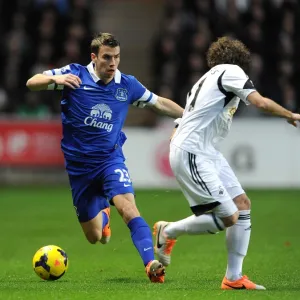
<point x="242" y="202"/>
<point x="93" y="236"/>
<point x="231" y="220"/>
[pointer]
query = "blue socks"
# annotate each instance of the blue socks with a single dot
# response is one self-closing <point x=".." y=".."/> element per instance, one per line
<point x="104" y="219"/>
<point x="142" y="239"/>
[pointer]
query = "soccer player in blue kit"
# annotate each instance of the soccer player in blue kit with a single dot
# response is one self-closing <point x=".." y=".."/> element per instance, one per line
<point x="94" y="105"/>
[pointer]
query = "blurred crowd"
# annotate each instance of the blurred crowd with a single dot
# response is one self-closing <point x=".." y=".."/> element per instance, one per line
<point x="37" y="35"/>
<point x="269" y="28"/>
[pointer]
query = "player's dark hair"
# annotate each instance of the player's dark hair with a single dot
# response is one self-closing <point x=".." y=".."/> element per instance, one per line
<point x="228" y="51"/>
<point x="103" y="39"/>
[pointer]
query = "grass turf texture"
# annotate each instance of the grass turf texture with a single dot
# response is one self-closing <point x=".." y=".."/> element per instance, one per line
<point x="32" y="217"/>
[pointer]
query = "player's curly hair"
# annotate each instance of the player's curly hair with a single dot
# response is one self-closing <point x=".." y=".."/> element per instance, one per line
<point x="228" y="51"/>
<point x="103" y="39"/>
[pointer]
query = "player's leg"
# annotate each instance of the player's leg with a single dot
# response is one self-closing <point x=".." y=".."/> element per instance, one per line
<point x="98" y="228"/>
<point x="118" y="188"/>
<point x="92" y="209"/>
<point x="139" y="229"/>
<point x="140" y="235"/>
<point x="237" y="236"/>
<point x="204" y="191"/>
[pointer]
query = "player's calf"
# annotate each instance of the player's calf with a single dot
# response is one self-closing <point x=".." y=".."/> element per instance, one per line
<point x="238" y="238"/>
<point x="139" y="229"/>
<point x="126" y="207"/>
<point x="93" y="236"/>
<point x="209" y="223"/>
<point x="97" y="229"/>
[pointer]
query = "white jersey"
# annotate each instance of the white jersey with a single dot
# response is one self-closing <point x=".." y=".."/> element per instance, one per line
<point x="210" y="107"/>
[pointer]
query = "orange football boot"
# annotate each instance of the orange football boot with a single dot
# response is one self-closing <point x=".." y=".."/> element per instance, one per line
<point x="241" y="284"/>
<point x="155" y="271"/>
<point x="106" y="231"/>
<point x="163" y="245"/>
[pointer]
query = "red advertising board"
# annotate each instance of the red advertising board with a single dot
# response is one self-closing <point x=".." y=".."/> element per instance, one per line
<point x="30" y="143"/>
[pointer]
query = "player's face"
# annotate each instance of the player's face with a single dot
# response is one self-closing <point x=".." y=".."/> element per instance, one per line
<point x="106" y="62"/>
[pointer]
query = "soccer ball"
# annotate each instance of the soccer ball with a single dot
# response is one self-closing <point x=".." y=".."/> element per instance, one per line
<point x="50" y="262"/>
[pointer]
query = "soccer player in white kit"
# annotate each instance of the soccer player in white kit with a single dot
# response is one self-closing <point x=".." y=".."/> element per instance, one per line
<point x="215" y="195"/>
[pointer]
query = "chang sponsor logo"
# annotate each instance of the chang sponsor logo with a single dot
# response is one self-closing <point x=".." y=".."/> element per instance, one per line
<point x="99" y="114"/>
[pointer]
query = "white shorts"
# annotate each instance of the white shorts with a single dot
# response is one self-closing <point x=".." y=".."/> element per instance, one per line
<point x="208" y="184"/>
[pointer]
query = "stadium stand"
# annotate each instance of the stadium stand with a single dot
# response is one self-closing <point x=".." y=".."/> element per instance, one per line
<point x="40" y="34"/>
<point x="37" y="35"/>
<point x="268" y="27"/>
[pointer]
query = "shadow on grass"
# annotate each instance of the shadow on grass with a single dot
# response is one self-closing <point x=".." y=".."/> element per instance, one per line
<point x="283" y="288"/>
<point x="127" y="280"/>
<point x="130" y="280"/>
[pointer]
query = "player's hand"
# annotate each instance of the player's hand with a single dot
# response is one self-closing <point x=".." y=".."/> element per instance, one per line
<point x="69" y="80"/>
<point x="294" y="119"/>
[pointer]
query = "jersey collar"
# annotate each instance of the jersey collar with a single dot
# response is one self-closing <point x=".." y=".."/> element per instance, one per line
<point x="91" y="70"/>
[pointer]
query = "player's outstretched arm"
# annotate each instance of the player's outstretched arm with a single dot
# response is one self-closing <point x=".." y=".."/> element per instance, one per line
<point x="272" y="107"/>
<point x="41" y="82"/>
<point x="167" y="107"/>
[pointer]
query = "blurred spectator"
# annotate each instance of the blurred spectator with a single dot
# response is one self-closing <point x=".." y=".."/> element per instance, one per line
<point x="289" y="96"/>
<point x="3" y="98"/>
<point x="42" y="34"/>
<point x="33" y="108"/>
<point x="39" y="35"/>
<point x="270" y="28"/>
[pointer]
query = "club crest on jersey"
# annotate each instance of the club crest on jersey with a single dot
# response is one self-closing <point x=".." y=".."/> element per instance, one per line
<point x="98" y="115"/>
<point x="121" y="94"/>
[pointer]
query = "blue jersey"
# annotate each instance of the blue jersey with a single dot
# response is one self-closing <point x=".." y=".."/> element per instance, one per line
<point x="93" y="114"/>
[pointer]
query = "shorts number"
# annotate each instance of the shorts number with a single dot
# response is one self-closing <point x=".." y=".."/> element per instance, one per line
<point x="124" y="176"/>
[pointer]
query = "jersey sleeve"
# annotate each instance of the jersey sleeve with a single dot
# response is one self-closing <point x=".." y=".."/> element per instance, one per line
<point x="140" y="95"/>
<point x="236" y="81"/>
<point x="72" y="68"/>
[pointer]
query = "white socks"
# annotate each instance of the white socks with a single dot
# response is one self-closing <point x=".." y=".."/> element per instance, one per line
<point x="237" y="241"/>
<point x="204" y="224"/>
<point x="237" y="236"/>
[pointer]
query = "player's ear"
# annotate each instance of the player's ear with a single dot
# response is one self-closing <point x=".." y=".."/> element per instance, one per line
<point x="93" y="56"/>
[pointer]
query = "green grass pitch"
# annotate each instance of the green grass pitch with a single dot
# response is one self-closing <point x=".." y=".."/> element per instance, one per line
<point x="32" y="217"/>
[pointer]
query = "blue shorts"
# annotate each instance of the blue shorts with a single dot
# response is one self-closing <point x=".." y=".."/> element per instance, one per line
<point x="94" y="185"/>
